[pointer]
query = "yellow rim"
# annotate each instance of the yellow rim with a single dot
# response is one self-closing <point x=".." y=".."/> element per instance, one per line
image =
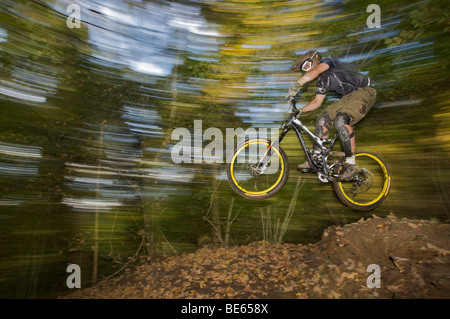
<point x="387" y="182"/>
<point x="232" y="169"/>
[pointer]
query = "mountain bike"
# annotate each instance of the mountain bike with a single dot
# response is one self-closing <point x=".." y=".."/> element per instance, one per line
<point x="259" y="168"/>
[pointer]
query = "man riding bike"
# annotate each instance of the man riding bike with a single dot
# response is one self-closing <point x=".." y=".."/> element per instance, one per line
<point x="358" y="97"/>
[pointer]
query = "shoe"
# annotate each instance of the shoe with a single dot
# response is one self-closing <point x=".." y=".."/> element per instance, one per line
<point x="304" y="166"/>
<point x="348" y="172"/>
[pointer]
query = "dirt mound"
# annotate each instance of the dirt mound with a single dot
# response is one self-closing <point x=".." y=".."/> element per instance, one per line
<point x="412" y="256"/>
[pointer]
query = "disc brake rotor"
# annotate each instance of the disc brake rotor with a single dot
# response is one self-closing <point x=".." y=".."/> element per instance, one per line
<point x="253" y="169"/>
<point x="364" y="181"/>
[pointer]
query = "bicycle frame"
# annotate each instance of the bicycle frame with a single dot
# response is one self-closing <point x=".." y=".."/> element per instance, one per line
<point x="364" y="191"/>
<point x="294" y="123"/>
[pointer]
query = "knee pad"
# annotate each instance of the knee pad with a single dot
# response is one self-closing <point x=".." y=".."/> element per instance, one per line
<point x="344" y="134"/>
<point x="341" y="120"/>
<point x="324" y="121"/>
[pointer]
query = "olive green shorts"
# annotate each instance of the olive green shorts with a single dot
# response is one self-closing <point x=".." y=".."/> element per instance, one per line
<point x="357" y="104"/>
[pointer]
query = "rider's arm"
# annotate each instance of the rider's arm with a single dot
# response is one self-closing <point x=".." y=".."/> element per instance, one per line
<point x="314" y="104"/>
<point x="313" y="73"/>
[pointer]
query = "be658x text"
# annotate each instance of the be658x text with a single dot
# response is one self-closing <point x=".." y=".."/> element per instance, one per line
<point x="246" y="308"/>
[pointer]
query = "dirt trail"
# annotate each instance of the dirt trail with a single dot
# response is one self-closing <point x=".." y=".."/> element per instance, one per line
<point x="413" y="257"/>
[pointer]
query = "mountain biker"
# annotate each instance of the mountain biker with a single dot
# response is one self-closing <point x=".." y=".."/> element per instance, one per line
<point x="358" y="97"/>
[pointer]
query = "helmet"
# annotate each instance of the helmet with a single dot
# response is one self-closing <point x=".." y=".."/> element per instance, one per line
<point x="307" y="61"/>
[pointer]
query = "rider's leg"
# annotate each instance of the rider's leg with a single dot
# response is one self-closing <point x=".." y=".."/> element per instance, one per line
<point x="352" y="141"/>
<point x="348" y="111"/>
<point x="323" y="125"/>
<point x="346" y="134"/>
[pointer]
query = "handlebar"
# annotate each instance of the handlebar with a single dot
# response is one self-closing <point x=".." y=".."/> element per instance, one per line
<point x="295" y="110"/>
<point x="292" y="101"/>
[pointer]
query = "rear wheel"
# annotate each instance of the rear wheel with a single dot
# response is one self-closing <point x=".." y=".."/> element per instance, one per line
<point x="369" y="187"/>
<point x="252" y="180"/>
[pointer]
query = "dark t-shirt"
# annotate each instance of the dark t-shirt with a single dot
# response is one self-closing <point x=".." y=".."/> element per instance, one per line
<point x="340" y="77"/>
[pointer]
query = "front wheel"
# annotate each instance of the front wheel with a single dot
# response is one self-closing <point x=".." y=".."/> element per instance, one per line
<point x="369" y="187"/>
<point x="258" y="170"/>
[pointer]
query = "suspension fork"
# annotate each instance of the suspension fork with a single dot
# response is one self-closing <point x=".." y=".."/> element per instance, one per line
<point x="268" y="154"/>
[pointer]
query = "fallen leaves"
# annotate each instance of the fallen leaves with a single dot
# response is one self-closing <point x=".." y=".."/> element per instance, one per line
<point x="414" y="262"/>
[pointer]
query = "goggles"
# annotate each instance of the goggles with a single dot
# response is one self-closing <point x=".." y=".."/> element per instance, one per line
<point x="307" y="65"/>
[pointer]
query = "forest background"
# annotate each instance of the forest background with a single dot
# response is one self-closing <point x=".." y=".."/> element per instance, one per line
<point x="86" y="174"/>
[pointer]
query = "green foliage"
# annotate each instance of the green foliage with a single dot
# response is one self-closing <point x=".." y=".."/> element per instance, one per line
<point x="103" y="131"/>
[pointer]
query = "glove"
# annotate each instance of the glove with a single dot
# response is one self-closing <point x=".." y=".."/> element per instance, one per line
<point x="294" y="89"/>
